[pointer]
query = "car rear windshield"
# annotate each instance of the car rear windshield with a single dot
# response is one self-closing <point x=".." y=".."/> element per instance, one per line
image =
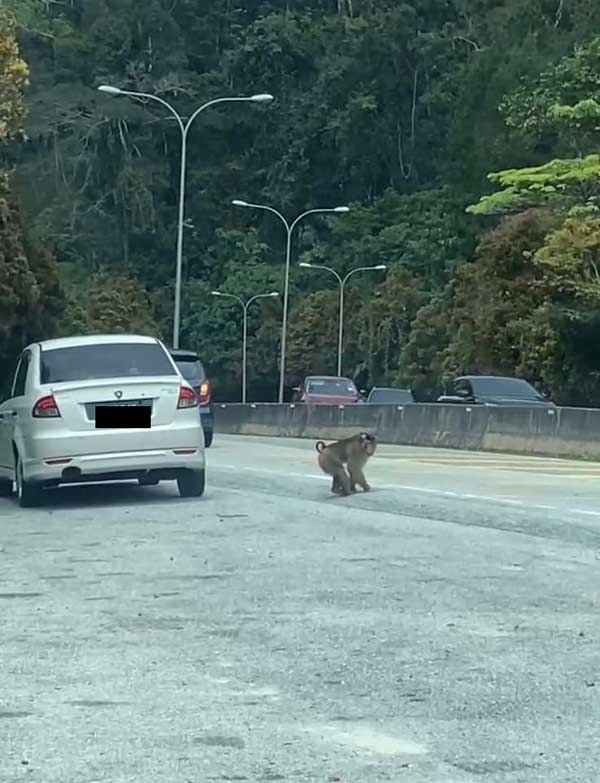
<point x="191" y="369"/>
<point x="104" y="360"/>
<point x="390" y="395"/>
<point x="332" y="386"/>
<point x="504" y="387"/>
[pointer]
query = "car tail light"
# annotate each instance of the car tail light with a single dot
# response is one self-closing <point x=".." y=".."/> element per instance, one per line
<point x="46" y="408"/>
<point x="187" y="398"/>
<point x="204" y="393"/>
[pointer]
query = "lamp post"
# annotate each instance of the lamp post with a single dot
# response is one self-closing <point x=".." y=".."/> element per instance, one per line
<point x="342" y="281"/>
<point x="184" y="127"/>
<point x="289" y="227"/>
<point x="245" y="306"/>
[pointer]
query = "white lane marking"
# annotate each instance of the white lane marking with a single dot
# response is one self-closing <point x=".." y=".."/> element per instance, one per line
<point x="423" y="490"/>
<point x="584" y="511"/>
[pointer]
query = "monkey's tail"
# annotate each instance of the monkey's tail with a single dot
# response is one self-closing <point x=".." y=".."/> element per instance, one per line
<point x="320" y="446"/>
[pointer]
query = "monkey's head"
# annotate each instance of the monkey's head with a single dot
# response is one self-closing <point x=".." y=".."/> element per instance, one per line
<point x="368" y="442"/>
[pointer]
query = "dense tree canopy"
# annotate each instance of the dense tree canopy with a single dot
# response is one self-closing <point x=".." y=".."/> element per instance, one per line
<point x="399" y="109"/>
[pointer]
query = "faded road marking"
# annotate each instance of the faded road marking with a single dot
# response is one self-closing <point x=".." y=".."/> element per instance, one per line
<point x="424" y="490"/>
<point x="367" y="739"/>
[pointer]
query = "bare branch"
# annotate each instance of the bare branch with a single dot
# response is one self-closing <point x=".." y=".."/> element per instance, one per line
<point x="469" y="41"/>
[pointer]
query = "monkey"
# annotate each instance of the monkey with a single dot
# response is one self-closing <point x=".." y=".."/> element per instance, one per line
<point x="353" y="452"/>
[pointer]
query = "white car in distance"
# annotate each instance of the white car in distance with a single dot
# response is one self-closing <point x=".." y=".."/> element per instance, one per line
<point x="49" y="434"/>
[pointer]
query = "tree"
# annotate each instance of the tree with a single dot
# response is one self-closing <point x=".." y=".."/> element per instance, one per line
<point x="560" y="107"/>
<point x="385" y="324"/>
<point x="399" y="109"/>
<point x="205" y="316"/>
<point x="30" y="296"/>
<point x="494" y="296"/>
<point x="569" y="357"/>
<point x="421" y="365"/>
<point x="14" y="78"/>
<point x="109" y="304"/>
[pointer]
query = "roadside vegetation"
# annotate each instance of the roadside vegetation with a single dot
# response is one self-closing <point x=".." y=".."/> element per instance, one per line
<point x="463" y="134"/>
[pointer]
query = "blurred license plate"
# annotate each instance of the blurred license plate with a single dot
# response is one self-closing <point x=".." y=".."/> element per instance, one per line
<point x="131" y="414"/>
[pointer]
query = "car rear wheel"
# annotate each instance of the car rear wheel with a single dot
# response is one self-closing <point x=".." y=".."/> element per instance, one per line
<point x="191" y="483"/>
<point x="28" y="495"/>
<point x="6" y="486"/>
<point x="208" y="439"/>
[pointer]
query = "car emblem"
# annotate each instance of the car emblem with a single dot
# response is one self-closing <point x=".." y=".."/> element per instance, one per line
<point x="118" y="394"/>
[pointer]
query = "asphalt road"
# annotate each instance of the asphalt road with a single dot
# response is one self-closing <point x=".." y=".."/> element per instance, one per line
<point x="444" y="628"/>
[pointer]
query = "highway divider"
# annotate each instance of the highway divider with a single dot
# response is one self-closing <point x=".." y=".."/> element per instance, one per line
<point x="554" y="432"/>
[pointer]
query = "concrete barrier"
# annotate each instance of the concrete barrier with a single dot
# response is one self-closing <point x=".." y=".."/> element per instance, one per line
<point x="558" y="432"/>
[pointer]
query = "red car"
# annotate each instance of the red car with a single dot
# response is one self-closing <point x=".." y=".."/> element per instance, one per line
<point x="327" y="390"/>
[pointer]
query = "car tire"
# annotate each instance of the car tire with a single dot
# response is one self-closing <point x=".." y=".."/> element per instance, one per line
<point x="28" y="495"/>
<point x="6" y="488"/>
<point x="148" y="481"/>
<point x="208" y="439"/>
<point x="191" y="483"/>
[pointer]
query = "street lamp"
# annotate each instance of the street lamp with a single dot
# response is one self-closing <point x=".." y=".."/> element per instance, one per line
<point x="289" y="227"/>
<point x="245" y="306"/>
<point x="184" y="127"/>
<point x="342" y="281"/>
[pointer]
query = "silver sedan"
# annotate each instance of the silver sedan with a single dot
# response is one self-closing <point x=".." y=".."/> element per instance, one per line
<point x="87" y="409"/>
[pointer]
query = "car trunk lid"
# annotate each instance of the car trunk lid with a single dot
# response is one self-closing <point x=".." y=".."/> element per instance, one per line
<point x="77" y="400"/>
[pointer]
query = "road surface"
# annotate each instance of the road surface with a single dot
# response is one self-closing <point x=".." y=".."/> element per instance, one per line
<point x="444" y="628"/>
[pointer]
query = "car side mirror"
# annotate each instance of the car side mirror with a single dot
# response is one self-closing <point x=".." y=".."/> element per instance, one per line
<point x="297" y="389"/>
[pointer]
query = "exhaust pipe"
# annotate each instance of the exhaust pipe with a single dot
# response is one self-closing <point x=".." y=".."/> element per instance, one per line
<point x="71" y="474"/>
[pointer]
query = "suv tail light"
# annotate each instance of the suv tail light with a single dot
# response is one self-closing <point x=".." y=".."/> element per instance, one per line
<point x="187" y="398"/>
<point x="46" y="408"/>
<point x="204" y="393"/>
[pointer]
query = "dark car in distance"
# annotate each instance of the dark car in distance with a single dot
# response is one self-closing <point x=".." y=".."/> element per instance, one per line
<point x="192" y="369"/>
<point x="380" y="395"/>
<point x="327" y="390"/>
<point x="494" y="390"/>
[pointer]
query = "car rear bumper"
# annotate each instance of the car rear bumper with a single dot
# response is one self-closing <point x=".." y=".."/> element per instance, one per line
<point x="162" y="463"/>
<point x="53" y="455"/>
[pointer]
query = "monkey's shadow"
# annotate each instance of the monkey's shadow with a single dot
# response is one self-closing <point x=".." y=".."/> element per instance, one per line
<point x="335" y="498"/>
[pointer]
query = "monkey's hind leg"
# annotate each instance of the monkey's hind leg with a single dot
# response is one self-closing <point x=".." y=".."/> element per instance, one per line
<point x="358" y="477"/>
<point x="341" y="482"/>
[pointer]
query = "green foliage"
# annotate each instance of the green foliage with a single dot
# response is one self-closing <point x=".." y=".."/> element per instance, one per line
<point x="426" y="233"/>
<point x="558" y="183"/>
<point x="493" y="297"/>
<point x="109" y="304"/>
<point x="563" y="100"/>
<point x="205" y="316"/>
<point x="387" y="320"/>
<point x="14" y="75"/>
<point x="30" y="296"/>
<point x="398" y="109"/>
<point x="313" y="335"/>
<point x="560" y="106"/>
<point x="422" y="358"/>
<point x="570" y="257"/>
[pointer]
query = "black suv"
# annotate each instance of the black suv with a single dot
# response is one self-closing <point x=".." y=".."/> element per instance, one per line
<point x="493" y="390"/>
<point x="192" y="369"/>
